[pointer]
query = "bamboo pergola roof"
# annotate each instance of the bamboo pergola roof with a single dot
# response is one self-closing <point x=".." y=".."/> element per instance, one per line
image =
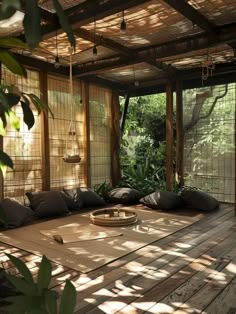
<point x="164" y="39"/>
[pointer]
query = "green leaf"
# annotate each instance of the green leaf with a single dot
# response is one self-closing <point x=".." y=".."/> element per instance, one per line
<point x="4" y="102"/>
<point x="44" y="274"/>
<point x="12" y="99"/>
<point x="39" y="104"/>
<point x="51" y="302"/>
<point x="3" y="217"/>
<point x="11" y="63"/>
<point x="28" y="115"/>
<point x="64" y="22"/>
<point x="14" y="120"/>
<point x="22" y="285"/>
<point x="31" y="23"/>
<point x="5" y="160"/>
<point x="6" y="4"/>
<point x="11" y="42"/>
<point x="22" y="304"/>
<point x="7" y="13"/>
<point x="68" y="299"/>
<point x="22" y="268"/>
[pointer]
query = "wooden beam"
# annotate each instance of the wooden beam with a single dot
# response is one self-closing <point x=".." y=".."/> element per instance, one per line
<point x="87" y="162"/>
<point x="177" y="47"/>
<point x="169" y="137"/>
<point x="115" y="139"/>
<point x="192" y="14"/>
<point x="44" y="66"/>
<point x="235" y="157"/>
<point x="103" y="41"/>
<point x="84" y="13"/>
<point x="105" y="82"/>
<point x="179" y="134"/>
<point x="44" y="134"/>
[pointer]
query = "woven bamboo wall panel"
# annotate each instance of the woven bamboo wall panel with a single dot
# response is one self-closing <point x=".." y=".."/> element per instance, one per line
<point x="60" y="141"/>
<point x="24" y="146"/>
<point x="210" y="144"/>
<point x="100" y="134"/>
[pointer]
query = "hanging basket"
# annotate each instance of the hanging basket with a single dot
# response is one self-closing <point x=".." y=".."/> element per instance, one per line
<point x="72" y="159"/>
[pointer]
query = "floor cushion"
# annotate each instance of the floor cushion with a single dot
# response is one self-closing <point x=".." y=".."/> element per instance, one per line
<point x="85" y="197"/>
<point x="199" y="200"/>
<point x="15" y="214"/>
<point x="124" y="196"/>
<point x="47" y="203"/>
<point x="162" y="200"/>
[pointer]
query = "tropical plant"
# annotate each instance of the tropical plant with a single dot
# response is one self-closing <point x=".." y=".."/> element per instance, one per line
<point x="103" y="190"/>
<point x="32" y="32"/>
<point x="26" y="296"/>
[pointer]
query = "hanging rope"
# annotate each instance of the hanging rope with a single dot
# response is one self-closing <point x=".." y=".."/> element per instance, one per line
<point x="74" y="157"/>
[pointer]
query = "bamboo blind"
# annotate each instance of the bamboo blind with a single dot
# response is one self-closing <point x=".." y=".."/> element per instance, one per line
<point x="59" y="99"/>
<point x="209" y="152"/>
<point x="24" y="146"/>
<point x="100" y="134"/>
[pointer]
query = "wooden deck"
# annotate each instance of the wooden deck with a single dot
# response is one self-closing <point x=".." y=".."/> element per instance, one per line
<point x="190" y="271"/>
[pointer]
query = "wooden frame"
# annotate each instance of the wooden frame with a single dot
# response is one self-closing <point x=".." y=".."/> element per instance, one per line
<point x="169" y="136"/>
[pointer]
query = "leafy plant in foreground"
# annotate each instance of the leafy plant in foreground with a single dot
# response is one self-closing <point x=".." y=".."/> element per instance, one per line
<point x="31" y="297"/>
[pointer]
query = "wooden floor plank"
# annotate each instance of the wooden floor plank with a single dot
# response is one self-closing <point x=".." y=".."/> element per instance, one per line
<point x="136" y="272"/>
<point x="189" y="271"/>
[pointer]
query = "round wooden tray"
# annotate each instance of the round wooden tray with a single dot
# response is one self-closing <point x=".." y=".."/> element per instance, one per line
<point x="113" y="217"/>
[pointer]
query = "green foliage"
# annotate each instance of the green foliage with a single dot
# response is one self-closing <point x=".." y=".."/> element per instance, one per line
<point x="143" y="144"/>
<point x="144" y="177"/>
<point x="103" y="190"/>
<point x="32" y="297"/>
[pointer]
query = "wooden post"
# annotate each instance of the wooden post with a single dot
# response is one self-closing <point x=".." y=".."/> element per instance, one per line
<point x="169" y="136"/>
<point x="235" y="158"/>
<point x="44" y="134"/>
<point x="87" y="155"/>
<point x="179" y="134"/>
<point x="1" y="175"/>
<point x="124" y="114"/>
<point x="115" y="139"/>
<point x="1" y="148"/>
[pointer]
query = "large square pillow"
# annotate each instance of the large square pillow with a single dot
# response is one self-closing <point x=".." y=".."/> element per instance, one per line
<point x="199" y="200"/>
<point x="15" y="214"/>
<point x="124" y="196"/>
<point x="162" y="200"/>
<point x="47" y="203"/>
<point x="85" y="197"/>
<point x="71" y="205"/>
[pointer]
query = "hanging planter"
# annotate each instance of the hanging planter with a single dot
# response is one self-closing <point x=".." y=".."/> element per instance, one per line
<point x="72" y="155"/>
<point x="72" y="159"/>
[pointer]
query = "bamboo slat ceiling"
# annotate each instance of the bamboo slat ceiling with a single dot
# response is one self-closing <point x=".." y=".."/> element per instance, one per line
<point x="163" y="39"/>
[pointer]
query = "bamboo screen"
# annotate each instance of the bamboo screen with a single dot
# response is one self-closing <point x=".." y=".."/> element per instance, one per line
<point x="60" y="142"/>
<point x="100" y="134"/>
<point x="209" y="154"/>
<point x="24" y="147"/>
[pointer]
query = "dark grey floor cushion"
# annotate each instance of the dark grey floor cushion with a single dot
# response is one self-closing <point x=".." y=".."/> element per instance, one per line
<point x="15" y="214"/>
<point x="71" y="205"/>
<point x="199" y="200"/>
<point x="162" y="200"/>
<point x="85" y="197"/>
<point x="47" y="203"/>
<point x="124" y="196"/>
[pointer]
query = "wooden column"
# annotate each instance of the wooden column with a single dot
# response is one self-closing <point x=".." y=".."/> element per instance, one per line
<point x="87" y="162"/>
<point x="1" y="148"/>
<point x="124" y="114"/>
<point x="44" y="134"/>
<point x="115" y="139"/>
<point x="169" y="137"/>
<point x="179" y="134"/>
<point x="235" y="158"/>
<point x="1" y="175"/>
